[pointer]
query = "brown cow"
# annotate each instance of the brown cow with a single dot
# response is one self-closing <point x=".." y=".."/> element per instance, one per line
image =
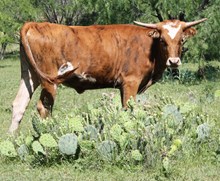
<point x="127" y="57"/>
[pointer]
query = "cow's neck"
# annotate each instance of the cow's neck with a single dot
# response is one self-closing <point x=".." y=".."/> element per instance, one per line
<point x="160" y="58"/>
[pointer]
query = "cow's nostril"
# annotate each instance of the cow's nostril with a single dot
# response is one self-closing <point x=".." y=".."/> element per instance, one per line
<point x="173" y="61"/>
<point x="177" y="61"/>
<point x="170" y="61"/>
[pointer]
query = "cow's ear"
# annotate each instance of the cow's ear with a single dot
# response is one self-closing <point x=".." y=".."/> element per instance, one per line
<point x="189" y="32"/>
<point x="154" y="33"/>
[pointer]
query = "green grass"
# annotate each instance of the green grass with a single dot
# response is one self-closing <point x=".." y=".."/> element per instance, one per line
<point x="199" y="93"/>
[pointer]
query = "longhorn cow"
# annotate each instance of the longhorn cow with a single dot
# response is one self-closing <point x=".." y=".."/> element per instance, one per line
<point x="128" y="57"/>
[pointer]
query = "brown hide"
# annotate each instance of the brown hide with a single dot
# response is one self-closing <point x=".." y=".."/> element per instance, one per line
<point x="109" y="56"/>
<point x="127" y="57"/>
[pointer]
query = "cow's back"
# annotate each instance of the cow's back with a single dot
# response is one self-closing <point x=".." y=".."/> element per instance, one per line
<point x="105" y="53"/>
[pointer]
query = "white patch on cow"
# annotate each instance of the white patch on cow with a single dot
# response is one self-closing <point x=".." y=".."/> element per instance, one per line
<point x="85" y="77"/>
<point x="66" y="67"/>
<point x="172" y="31"/>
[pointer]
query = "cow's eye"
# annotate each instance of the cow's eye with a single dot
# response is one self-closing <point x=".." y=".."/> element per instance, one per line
<point x="162" y="41"/>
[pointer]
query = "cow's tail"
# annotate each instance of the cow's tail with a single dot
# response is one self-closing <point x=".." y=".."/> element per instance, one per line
<point x="24" y="42"/>
<point x="64" y="77"/>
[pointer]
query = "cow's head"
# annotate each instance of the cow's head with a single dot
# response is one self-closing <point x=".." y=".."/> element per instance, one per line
<point x="172" y="34"/>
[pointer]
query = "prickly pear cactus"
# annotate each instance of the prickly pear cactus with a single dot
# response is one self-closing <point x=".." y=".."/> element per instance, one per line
<point x="116" y="132"/>
<point x="86" y="145"/>
<point x="38" y="126"/>
<point x="68" y="144"/>
<point x="217" y="94"/>
<point x="203" y="131"/>
<point x="47" y="140"/>
<point x="130" y="126"/>
<point x="23" y="152"/>
<point x="107" y="150"/>
<point x="29" y="140"/>
<point x="166" y="164"/>
<point x="136" y="155"/>
<point x="172" y="111"/>
<point x="19" y="139"/>
<point x="7" y="149"/>
<point x="124" y="140"/>
<point x="91" y="132"/>
<point x="75" y="124"/>
<point x="37" y="148"/>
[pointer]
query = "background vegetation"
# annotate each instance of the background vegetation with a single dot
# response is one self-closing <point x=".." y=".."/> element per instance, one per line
<point x="87" y="12"/>
<point x="171" y="133"/>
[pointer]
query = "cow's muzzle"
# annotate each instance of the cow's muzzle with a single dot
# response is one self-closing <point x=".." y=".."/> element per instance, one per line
<point x="173" y="62"/>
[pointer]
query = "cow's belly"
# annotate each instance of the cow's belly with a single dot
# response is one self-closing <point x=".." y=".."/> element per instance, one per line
<point x="83" y="82"/>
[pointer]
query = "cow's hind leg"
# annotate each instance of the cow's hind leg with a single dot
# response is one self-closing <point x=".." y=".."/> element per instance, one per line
<point x="27" y="87"/>
<point x="46" y="102"/>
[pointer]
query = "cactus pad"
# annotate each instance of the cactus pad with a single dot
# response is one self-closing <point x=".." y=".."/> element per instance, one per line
<point x="29" y="140"/>
<point x="107" y="150"/>
<point x="47" y="140"/>
<point x="92" y="132"/>
<point x="75" y="124"/>
<point x="68" y="144"/>
<point x="136" y="155"/>
<point x="23" y="151"/>
<point x="37" y="148"/>
<point x="7" y="149"/>
<point x="38" y="126"/>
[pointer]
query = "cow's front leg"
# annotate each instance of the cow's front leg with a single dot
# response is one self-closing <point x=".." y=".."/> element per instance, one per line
<point x="129" y="89"/>
<point x="46" y="101"/>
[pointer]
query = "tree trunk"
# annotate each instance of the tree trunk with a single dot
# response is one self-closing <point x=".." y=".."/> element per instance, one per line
<point x="2" y="51"/>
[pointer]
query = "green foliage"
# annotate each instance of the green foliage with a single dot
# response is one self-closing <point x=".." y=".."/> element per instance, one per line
<point x="203" y="47"/>
<point x="209" y="36"/>
<point x="217" y="94"/>
<point x="12" y="16"/>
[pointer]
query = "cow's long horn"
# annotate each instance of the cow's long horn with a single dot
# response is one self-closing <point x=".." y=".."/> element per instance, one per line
<point x="189" y="24"/>
<point x="146" y="25"/>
